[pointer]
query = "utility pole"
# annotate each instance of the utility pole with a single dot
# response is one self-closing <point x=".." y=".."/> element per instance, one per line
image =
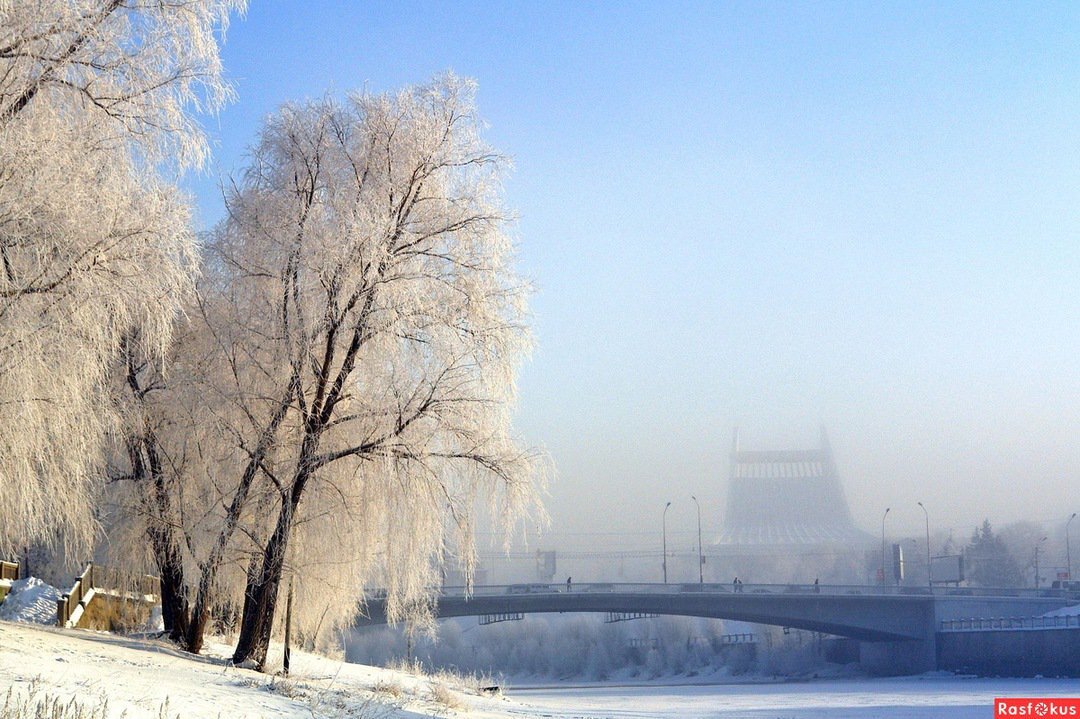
<point x="288" y="629"/>
<point x="664" y="563"/>
<point x="1068" y="547"/>
<point x="1038" y="544"/>
<point x="929" y="572"/>
<point x="883" y="580"/>
<point x="700" y="555"/>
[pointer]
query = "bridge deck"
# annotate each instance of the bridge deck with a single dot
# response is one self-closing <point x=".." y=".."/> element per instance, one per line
<point x="867" y="613"/>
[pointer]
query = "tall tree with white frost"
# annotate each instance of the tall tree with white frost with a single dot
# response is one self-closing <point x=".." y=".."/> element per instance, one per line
<point x="378" y="322"/>
<point x="95" y="101"/>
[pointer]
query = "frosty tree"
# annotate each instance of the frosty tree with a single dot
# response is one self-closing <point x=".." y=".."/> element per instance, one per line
<point x="95" y="100"/>
<point x="373" y="324"/>
<point x="136" y="67"/>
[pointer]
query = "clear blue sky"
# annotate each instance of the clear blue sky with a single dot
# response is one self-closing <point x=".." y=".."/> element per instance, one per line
<point x="765" y="214"/>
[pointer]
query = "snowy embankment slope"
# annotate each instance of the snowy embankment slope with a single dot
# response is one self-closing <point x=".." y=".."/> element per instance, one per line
<point x="1071" y="611"/>
<point x="138" y="677"/>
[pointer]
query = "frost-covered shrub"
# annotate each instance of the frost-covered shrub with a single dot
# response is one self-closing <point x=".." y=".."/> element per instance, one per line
<point x="565" y="647"/>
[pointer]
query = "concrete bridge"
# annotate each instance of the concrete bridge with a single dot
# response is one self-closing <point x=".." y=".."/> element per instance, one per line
<point x="896" y="627"/>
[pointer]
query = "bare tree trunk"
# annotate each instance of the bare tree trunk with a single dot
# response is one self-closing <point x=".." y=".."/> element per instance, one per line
<point x="146" y="466"/>
<point x="261" y="594"/>
<point x="260" y="597"/>
<point x="201" y="611"/>
<point x="174" y="600"/>
<point x="174" y="605"/>
<point x="170" y="564"/>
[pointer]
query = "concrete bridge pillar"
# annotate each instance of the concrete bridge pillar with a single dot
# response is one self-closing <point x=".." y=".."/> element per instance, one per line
<point x="912" y="656"/>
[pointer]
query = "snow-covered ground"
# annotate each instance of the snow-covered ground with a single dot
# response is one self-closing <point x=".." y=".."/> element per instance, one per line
<point x="115" y="676"/>
<point x="138" y="677"/>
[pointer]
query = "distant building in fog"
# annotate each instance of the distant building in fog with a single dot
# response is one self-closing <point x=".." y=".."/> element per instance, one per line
<point x="786" y="501"/>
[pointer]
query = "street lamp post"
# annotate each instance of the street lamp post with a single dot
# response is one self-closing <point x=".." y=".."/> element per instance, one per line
<point x="929" y="575"/>
<point x="883" y="582"/>
<point x="664" y="563"/>
<point x="1038" y="544"/>
<point x="1068" y="548"/>
<point x="700" y="555"/>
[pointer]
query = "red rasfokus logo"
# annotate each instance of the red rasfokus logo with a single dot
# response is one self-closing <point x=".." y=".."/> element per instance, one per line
<point x="1041" y="707"/>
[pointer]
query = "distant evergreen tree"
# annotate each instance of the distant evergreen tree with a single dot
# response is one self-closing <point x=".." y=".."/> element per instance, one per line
<point x="988" y="561"/>
<point x="949" y="547"/>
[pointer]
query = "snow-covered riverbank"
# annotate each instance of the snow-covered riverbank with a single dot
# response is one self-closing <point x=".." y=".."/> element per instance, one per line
<point x="139" y="677"/>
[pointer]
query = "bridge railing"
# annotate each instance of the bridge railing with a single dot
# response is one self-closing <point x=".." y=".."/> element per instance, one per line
<point x="96" y="576"/>
<point x="728" y="588"/>
<point x="1066" y="621"/>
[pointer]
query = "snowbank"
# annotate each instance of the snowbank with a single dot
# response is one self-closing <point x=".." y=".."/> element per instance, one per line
<point x="1072" y="611"/>
<point x="155" y="622"/>
<point x="30" y="601"/>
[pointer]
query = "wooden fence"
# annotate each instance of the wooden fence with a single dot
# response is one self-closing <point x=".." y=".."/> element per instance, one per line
<point x="108" y="579"/>
<point x="9" y="570"/>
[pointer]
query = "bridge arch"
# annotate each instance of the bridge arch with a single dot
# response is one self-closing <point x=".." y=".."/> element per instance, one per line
<point x="845" y="612"/>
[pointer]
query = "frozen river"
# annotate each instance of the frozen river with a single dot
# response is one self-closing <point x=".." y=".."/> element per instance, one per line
<point x="901" y="698"/>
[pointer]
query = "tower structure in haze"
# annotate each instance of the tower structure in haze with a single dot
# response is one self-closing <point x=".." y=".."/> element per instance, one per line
<point x="786" y="500"/>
